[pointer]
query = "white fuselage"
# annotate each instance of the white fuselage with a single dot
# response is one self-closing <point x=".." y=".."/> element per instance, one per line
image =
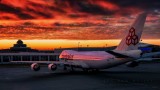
<point x="92" y="59"/>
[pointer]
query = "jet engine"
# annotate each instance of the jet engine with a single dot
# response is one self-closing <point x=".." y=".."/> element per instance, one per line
<point x="52" y="67"/>
<point x="35" y="67"/>
<point x="132" y="64"/>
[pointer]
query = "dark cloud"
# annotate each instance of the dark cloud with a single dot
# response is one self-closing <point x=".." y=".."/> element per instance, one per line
<point x="94" y="9"/>
<point x="39" y="10"/>
<point x="35" y="10"/>
<point x="17" y="11"/>
<point x="73" y="15"/>
<point x="51" y="8"/>
<point x="28" y="23"/>
<point x="81" y="24"/>
<point x="144" y="4"/>
<point x="9" y="9"/>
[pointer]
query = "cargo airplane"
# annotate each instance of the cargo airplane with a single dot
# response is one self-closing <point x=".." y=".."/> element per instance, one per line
<point x="126" y="52"/>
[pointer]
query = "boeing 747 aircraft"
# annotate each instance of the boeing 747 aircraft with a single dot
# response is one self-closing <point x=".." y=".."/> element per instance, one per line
<point x="126" y="52"/>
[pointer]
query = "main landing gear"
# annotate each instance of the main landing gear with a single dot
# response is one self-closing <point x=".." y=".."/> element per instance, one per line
<point x="90" y="70"/>
<point x="71" y="67"/>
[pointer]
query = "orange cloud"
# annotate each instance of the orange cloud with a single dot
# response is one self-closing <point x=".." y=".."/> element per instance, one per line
<point x="15" y="3"/>
<point x="68" y="19"/>
<point x="106" y="5"/>
<point x="8" y="16"/>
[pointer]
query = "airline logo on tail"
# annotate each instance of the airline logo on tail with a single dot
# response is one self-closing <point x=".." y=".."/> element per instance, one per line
<point x="133" y="35"/>
<point x="132" y="38"/>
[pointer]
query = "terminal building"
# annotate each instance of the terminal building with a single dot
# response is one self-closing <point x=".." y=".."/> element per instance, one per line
<point x="20" y="52"/>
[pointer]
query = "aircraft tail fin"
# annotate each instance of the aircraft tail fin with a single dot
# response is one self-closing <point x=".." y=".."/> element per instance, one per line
<point x="131" y="39"/>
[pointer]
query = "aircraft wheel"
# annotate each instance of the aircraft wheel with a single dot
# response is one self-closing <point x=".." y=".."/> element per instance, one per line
<point x="72" y="68"/>
<point x="85" y="70"/>
<point x="65" y="68"/>
<point x="95" y="70"/>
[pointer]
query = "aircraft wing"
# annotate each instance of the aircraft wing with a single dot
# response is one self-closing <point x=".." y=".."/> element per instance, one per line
<point x="149" y="57"/>
<point x="146" y="55"/>
<point x="43" y="62"/>
<point x="78" y="64"/>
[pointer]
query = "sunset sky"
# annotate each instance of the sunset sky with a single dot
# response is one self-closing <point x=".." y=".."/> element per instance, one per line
<point x="48" y="24"/>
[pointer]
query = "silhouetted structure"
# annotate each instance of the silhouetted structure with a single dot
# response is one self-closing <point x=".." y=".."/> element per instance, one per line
<point x="20" y="46"/>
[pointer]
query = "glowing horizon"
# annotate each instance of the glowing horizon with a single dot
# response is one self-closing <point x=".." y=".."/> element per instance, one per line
<point x="53" y="44"/>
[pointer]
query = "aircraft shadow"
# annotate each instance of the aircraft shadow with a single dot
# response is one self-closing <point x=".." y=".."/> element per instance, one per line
<point x="101" y="75"/>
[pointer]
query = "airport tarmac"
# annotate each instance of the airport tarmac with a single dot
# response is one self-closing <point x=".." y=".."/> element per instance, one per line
<point x="143" y="77"/>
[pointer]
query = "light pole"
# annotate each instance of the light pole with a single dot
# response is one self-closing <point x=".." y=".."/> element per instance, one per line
<point x="78" y="45"/>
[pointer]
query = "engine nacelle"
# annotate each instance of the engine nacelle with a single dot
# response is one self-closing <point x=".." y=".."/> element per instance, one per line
<point x="132" y="64"/>
<point x="35" y="67"/>
<point x="52" y="67"/>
